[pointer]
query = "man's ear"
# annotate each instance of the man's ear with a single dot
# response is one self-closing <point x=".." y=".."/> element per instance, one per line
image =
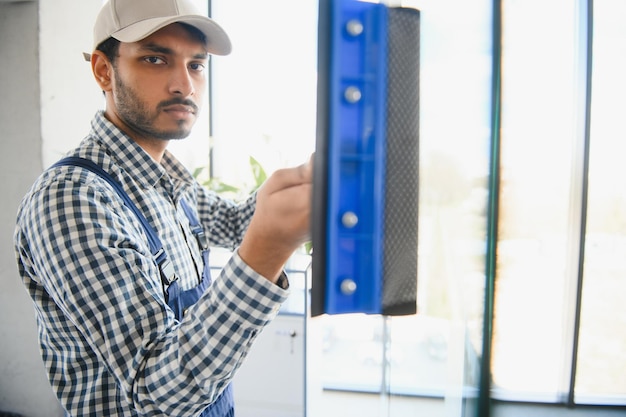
<point x="102" y="70"/>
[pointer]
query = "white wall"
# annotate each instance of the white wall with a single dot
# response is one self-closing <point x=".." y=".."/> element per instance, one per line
<point x="69" y="95"/>
<point x="23" y="387"/>
<point x="27" y="134"/>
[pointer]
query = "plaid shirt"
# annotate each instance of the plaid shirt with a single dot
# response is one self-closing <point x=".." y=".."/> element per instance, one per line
<point x="110" y="344"/>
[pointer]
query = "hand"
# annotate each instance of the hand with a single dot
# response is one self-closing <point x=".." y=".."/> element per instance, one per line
<point x="281" y="221"/>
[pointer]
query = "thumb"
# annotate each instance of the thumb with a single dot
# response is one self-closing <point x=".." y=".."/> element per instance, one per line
<point x="289" y="177"/>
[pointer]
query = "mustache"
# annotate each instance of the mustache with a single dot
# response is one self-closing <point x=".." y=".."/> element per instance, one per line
<point x="184" y="102"/>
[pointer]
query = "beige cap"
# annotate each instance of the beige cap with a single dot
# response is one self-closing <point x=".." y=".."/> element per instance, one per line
<point x="133" y="20"/>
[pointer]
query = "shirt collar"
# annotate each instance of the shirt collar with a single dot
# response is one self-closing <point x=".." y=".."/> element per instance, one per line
<point x="131" y="157"/>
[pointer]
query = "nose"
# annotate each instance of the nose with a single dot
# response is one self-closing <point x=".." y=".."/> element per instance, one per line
<point x="181" y="82"/>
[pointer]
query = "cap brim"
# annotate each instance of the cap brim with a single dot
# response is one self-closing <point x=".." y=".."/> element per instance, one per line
<point x="218" y="42"/>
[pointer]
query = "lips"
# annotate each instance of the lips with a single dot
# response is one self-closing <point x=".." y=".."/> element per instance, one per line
<point x="179" y="108"/>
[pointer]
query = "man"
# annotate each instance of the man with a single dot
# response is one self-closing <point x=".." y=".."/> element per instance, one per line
<point x="120" y="334"/>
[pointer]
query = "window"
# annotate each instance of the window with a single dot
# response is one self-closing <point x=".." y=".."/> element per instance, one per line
<point x="559" y="316"/>
<point x="264" y="104"/>
<point x="601" y="364"/>
<point x="434" y="353"/>
<point x="538" y="211"/>
<point x="562" y="230"/>
<point x="264" y="92"/>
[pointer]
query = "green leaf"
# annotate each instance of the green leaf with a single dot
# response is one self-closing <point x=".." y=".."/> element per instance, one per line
<point x="221" y="187"/>
<point x="258" y="173"/>
<point x="198" y="171"/>
<point x="308" y="248"/>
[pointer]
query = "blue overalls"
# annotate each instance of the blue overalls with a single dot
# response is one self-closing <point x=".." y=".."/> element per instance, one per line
<point x="178" y="300"/>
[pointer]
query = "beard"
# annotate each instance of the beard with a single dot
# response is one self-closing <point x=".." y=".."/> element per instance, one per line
<point x="136" y="114"/>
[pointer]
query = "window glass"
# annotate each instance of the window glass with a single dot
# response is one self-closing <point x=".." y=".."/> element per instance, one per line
<point x="538" y="216"/>
<point x="601" y="366"/>
<point x="264" y="105"/>
<point x="264" y="92"/>
<point x="437" y="351"/>
<point x="542" y="211"/>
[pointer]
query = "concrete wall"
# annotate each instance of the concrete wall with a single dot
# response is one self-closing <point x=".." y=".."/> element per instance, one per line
<point x="23" y="385"/>
<point x="35" y="51"/>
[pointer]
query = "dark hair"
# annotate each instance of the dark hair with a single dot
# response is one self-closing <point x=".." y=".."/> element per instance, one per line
<point x="111" y="46"/>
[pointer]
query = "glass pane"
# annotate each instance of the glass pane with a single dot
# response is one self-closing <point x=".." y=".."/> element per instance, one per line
<point x="601" y="371"/>
<point x="437" y="352"/>
<point x="264" y="105"/>
<point x="539" y="121"/>
<point x="426" y="363"/>
<point x="352" y="353"/>
<point x="264" y="92"/>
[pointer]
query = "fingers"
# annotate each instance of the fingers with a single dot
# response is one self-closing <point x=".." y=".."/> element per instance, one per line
<point x="281" y="220"/>
<point x="290" y="177"/>
<point x="307" y="169"/>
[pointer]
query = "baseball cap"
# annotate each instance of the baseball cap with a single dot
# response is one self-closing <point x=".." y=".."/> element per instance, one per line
<point x="134" y="20"/>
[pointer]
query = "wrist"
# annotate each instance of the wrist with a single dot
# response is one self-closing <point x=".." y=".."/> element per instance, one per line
<point x="264" y="261"/>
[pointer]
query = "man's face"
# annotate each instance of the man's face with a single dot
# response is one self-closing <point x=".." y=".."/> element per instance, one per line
<point x="160" y="82"/>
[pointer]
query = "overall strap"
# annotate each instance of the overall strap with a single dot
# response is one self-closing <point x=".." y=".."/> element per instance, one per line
<point x="203" y="241"/>
<point x="166" y="268"/>
<point x="196" y="227"/>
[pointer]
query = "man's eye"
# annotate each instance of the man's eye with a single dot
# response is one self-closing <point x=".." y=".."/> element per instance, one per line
<point x="154" y="60"/>
<point x="197" y="67"/>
